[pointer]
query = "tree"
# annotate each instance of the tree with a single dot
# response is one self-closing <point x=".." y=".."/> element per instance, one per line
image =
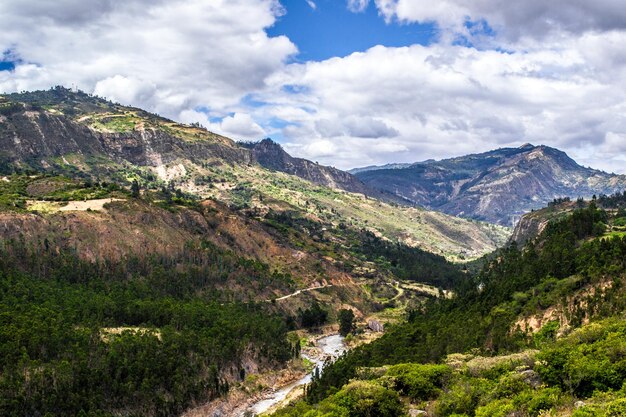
<point x="313" y="316"/>
<point x="134" y="189"/>
<point x="346" y="322"/>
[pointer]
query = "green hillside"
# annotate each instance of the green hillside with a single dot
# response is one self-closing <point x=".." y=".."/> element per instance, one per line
<point x="493" y="360"/>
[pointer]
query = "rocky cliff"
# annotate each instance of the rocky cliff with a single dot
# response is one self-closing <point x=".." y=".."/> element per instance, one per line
<point x="39" y="134"/>
<point x="271" y="155"/>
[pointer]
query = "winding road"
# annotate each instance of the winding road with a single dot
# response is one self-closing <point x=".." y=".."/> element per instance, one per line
<point x="284" y="297"/>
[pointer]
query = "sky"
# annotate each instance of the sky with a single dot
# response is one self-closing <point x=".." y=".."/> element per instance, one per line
<point x="347" y="83"/>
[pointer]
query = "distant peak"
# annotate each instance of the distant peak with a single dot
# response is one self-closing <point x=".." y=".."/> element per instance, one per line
<point x="268" y="141"/>
<point x="527" y="146"/>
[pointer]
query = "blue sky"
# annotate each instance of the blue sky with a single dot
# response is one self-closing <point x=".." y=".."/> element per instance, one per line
<point x="482" y="74"/>
<point x="330" y="29"/>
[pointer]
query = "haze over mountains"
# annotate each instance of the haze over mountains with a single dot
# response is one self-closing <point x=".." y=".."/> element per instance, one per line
<point x="496" y="186"/>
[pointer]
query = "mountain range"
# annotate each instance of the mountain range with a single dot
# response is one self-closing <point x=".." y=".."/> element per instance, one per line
<point x="497" y="186"/>
<point x="149" y="267"/>
<point x="72" y="133"/>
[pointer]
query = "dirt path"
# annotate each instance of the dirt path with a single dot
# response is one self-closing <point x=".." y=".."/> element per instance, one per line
<point x="319" y="287"/>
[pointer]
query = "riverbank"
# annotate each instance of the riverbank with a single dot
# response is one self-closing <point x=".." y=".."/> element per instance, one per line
<point x="253" y="397"/>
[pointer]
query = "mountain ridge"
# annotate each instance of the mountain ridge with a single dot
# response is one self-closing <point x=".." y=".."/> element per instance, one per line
<point x="59" y="131"/>
<point x="496" y="186"/>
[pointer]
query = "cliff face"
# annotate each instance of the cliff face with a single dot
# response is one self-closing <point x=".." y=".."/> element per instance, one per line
<point x="497" y="186"/>
<point x="271" y="155"/>
<point x="38" y="130"/>
<point x="37" y="138"/>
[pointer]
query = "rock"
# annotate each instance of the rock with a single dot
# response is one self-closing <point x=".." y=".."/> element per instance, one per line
<point x="375" y="326"/>
<point x="531" y="378"/>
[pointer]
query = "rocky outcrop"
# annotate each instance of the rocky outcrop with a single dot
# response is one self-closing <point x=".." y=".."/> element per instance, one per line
<point x="271" y="155"/>
<point x="497" y="186"/>
<point x="36" y="138"/>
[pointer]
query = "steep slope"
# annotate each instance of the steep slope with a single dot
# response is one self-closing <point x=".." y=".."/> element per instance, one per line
<point x="41" y="130"/>
<point x="497" y="186"/>
<point x="539" y="331"/>
<point x="271" y="155"/>
<point x="60" y="131"/>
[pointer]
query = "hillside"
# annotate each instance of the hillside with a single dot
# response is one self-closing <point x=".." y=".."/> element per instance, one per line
<point x="271" y="155"/>
<point x="537" y="332"/>
<point x="497" y="186"/>
<point x="63" y="132"/>
<point x="149" y="267"/>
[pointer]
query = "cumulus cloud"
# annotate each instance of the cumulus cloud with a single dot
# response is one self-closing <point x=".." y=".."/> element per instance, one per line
<point x="360" y="127"/>
<point x="419" y="102"/>
<point x="165" y="56"/>
<point x="242" y="126"/>
<point x="551" y="72"/>
<point x="514" y="19"/>
<point x="238" y="126"/>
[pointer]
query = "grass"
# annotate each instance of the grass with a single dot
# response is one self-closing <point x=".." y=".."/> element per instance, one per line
<point x="117" y="123"/>
<point x="45" y="207"/>
<point x="41" y="193"/>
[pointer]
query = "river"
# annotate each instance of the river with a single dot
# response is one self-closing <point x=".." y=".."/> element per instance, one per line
<point x="331" y="346"/>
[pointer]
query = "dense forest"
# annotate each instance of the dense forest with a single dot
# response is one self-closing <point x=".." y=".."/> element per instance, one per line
<point x="135" y="337"/>
<point x="571" y="254"/>
<point x="155" y="334"/>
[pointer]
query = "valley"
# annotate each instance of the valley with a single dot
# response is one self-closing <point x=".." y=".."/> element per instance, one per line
<point x="155" y="268"/>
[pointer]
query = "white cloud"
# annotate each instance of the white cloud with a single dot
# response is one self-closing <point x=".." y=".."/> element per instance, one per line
<point x="553" y="72"/>
<point x="360" y="127"/>
<point x="358" y="6"/>
<point x="242" y="126"/>
<point x="311" y="4"/>
<point x="419" y="102"/>
<point x="125" y="90"/>
<point x="239" y="126"/>
<point x="165" y="56"/>
<point x="513" y="19"/>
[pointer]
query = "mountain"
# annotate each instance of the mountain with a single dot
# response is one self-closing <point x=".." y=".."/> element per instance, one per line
<point x="97" y="128"/>
<point x="271" y="155"/>
<point x="59" y="131"/>
<point x="355" y="171"/>
<point x="497" y="186"/>
<point x="149" y="267"/>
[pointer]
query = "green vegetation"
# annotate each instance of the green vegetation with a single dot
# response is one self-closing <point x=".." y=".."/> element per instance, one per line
<point x="346" y="322"/>
<point x="60" y="354"/>
<point x="588" y="364"/>
<point x="566" y="259"/>
<point x="116" y="123"/>
<point x="395" y="259"/>
<point x="16" y="190"/>
<point x="313" y="316"/>
<point x="357" y="399"/>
